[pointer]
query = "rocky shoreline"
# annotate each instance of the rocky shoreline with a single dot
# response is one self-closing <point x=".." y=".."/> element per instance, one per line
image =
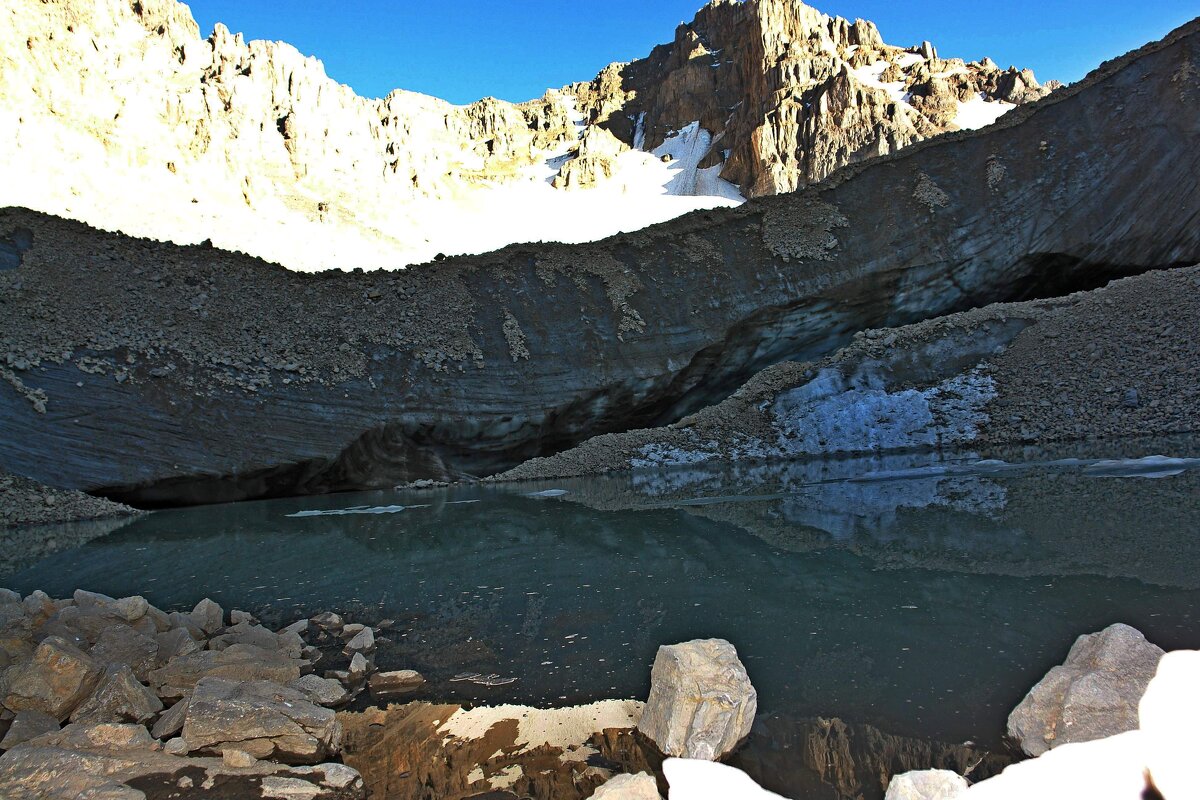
<point x="113" y="699"/>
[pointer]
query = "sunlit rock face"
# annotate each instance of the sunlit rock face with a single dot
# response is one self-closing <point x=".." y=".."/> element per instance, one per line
<point x="121" y="115"/>
<point x="791" y="94"/>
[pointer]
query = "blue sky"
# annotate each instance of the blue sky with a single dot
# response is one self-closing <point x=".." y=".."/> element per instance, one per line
<point x="462" y="50"/>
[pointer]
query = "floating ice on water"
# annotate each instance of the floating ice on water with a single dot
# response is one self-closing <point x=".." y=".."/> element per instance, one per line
<point x="338" y="512"/>
<point x="1147" y="467"/>
<point x="548" y="493"/>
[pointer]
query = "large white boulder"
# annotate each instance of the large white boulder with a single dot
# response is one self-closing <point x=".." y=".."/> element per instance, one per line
<point x="701" y="702"/>
<point x="696" y="779"/>
<point x="1105" y="769"/>
<point x="926" y="784"/>
<point x="641" y="786"/>
<point x="1170" y="719"/>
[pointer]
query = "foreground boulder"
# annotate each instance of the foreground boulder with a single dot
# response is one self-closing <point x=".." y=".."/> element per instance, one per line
<point x="641" y="786"/>
<point x="1168" y="714"/>
<point x="1093" y="694"/>
<point x="701" y="703"/>
<point x="692" y="779"/>
<point x="55" y="681"/>
<point x="926" y="784"/>
<point x="1156" y="760"/>
<point x="119" y="697"/>
<point x="261" y="718"/>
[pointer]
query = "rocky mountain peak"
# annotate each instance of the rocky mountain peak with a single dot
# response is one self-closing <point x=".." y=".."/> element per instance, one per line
<point x="123" y="116"/>
<point x="791" y="94"/>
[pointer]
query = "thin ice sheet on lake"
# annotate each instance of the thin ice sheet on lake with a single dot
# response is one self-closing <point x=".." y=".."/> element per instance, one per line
<point x="339" y="512"/>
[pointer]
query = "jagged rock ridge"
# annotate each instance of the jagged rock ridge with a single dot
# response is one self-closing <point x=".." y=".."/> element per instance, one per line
<point x="792" y="94"/>
<point x="176" y="374"/>
<point x="122" y="116"/>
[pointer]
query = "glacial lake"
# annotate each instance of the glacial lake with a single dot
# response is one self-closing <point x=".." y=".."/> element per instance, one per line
<point x="922" y="595"/>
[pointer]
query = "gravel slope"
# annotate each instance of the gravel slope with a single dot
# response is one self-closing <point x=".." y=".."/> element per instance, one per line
<point x="1118" y="361"/>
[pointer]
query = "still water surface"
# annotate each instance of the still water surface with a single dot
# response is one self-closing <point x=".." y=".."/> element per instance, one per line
<point x="917" y="594"/>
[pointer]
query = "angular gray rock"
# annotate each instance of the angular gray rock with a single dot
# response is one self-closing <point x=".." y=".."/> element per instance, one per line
<point x="239" y="662"/>
<point x="701" y="702"/>
<point x="83" y="625"/>
<point x="926" y="784"/>
<point x="322" y="691"/>
<point x="1092" y="695"/>
<point x="171" y="722"/>
<point x="328" y="621"/>
<point x="55" y="681"/>
<point x="395" y="683"/>
<point x="289" y="644"/>
<point x="261" y="718"/>
<point x="208" y="616"/>
<point x="28" y="725"/>
<point x="361" y="642"/>
<point x="119" y="697"/>
<point x="119" y="644"/>
<point x="175" y="642"/>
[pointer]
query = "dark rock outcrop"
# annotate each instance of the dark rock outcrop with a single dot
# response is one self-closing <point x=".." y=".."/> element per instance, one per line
<point x="201" y="375"/>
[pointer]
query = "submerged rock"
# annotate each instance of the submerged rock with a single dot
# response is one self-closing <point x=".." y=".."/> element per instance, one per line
<point x="701" y="703"/>
<point x="1093" y="694"/>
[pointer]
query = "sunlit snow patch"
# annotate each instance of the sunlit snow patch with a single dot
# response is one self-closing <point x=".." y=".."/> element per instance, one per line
<point x="979" y="112"/>
<point x="644" y="190"/>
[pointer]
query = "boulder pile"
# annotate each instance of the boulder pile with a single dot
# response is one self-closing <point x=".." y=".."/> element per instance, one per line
<point x="100" y="694"/>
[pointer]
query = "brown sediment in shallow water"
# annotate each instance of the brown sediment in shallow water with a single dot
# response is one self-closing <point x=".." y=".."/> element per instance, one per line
<point x="416" y="752"/>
